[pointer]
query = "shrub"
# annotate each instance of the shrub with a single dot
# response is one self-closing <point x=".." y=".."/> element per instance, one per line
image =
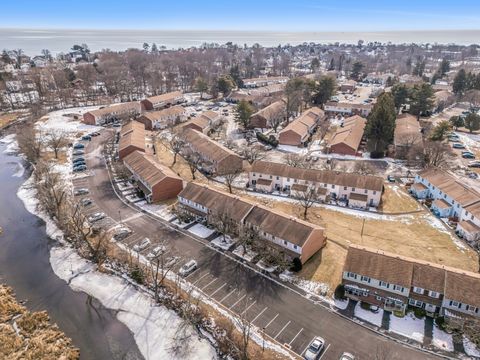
<point x="137" y="275"/>
<point x="365" y="306"/>
<point x="398" y="314"/>
<point x="296" y="265"/>
<point x="268" y="140"/>
<point x="419" y="313"/>
<point x="440" y="322"/>
<point x="340" y="292"/>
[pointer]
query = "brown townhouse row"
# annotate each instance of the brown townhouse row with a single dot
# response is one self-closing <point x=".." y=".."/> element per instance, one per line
<point x="394" y="282"/>
<point x="162" y="118"/>
<point x="298" y="132"/>
<point x="105" y="114"/>
<point x="216" y="158"/>
<point x="204" y="122"/>
<point x="407" y="134"/>
<point x="347" y="138"/>
<point x="263" y="118"/>
<point x="162" y="101"/>
<point x="132" y="138"/>
<point x="295" y="238"/>
<point x="360" y="191"/>
<point x="156" y="181"/>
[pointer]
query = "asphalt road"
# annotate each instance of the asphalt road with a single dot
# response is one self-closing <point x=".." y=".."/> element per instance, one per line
<point x="286" y="315"/>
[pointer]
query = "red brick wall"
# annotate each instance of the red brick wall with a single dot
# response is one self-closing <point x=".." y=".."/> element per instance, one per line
<point x="89" y="119"/>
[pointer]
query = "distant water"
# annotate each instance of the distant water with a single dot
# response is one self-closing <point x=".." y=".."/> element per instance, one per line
<point x="32" y="41"/>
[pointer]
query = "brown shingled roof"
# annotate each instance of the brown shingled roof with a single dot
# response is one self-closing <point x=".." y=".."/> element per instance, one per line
<point x="351" y="133"/>
<point x="132" y="134"/>
<point x="206" y="146"/>
<point x="304" y="122"/>
<point x="164" y="97"/>
<point x="319" y="176"/>
<point x="407" y="130"/>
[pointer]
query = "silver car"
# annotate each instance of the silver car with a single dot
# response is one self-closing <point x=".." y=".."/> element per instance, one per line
<point x="96" y="217"/>
<point x="314" y="349"/>
<point x="142" y="245"/>
<point x="188" y="268"/>
<point x="156" y="251"/>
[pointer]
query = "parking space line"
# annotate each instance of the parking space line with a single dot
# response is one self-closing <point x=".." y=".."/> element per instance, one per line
<point x="236" y="302"/>
<point x="200" y="278"/>
<point x="306" y="347"/>
<point x="324" y="352"/>
<point x="220" y="288"/>
<point x="226" y="296"/>
<point x="244" y="311"/>
<point x="271" y="321"/>
<point x="290" y="343"/>
<point x="288" y="323"/>
<point x="259" y="314"/>
<point x="211" y="282"/>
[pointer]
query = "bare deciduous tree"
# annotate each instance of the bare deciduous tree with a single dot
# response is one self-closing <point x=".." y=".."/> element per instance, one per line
<point x="306" y="198"/>
<point x="175" y="144"/>
<point x="296" y="160"/>
<point x="56" y="140"/>
<point x="363" y="168"/>
<point x="436" y="154"/>
<point x="230" y="179"/>
<point x="29" y="144"/>
<point x="194" y="160"/>
<point x="252" y="154"/>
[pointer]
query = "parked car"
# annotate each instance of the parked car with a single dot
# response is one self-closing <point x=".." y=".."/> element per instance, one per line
<point x="96" y="217"/>
<point x="121" y="233"/>
<point x="78" y="163"/>
<point x="391" y="178"/>
<point x="468" y="155"/>
<point x="347" y="356"/>
<point x="458" y="146"/>
<point x="78" y="152"/>
<point x="472" y="175"/>
<point x="142" y="245"/>
<point x="78" y="159"/>
<point x="95" y="133"/>
<point x="79" y="168"/>
<point x="156" y="251"/>
<point x="86" y="202"/>
<point x="81" y="191"/>
<point x="188" y="268"/>
<point x="86" y="137"/>
<point x="474" y="164"/>
<point x="314" y="349"/>
<point x="116" y="125"/>
<point x="78" y="146"/>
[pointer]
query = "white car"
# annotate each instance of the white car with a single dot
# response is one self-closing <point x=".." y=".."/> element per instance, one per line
<point x="188" y="268"/>
<point x="314" y="349"/>
<point x="156" y="251"/>
<point x="142" y="245"/>
<point x="121" y="233"/>
<point x="96" y="217"/>
<point x="81" y="191"/>
<point x="347" y="356"/>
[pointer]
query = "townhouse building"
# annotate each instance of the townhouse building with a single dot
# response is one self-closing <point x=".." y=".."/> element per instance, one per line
<point x="264" y="81"/>
<point x="216" y="158"/>
<point x="395" y="282"/>
<point x="358" y="191"/>
<point x="161" y="119"/>
<point x="204" y="122"/>
<point x="132" y="138"/>
<point x="294" y="237"/>
<point x="348" y="137"/>
<point x="156" y="181"/>
<point x="347" y="109"/>
<point x="162" y="101"/>
<point x="298" y="132"/>
<point x="263" y="118"/>
<point x="112" y="112"/>
<point x="407" y="134"/>
<point x="452" y="198"/>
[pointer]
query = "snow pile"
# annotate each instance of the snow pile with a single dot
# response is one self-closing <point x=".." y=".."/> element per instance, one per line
<point x="221" y="243"/>
<point x="12" y="145"/>
<point x="408" y="326"/>
<point x="63" y="121"/>
<point x="442" y="340"/>
<point x="245" y="253"/>
<point x="369" y="316"/>
<point x="440" y="226"/>
<point x="340" y="304"/>
<point x="161" y="211"/>
<point x="180" y="224"/>
<point x="309" y="286"/>
<point x="201" y="231"/>
<point x="155" y="328"/>
<point x="20" y="170"/>
<point x="470" y="348"/>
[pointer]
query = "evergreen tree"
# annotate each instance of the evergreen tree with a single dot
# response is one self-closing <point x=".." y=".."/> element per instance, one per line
<point x="201" y="86"/>
<point x="421" y="99"/>
<point x="356" y="70"/>
<point x="315" y="64"/>
<point x="460" y="82"/>
<point x="331" y="67"/>
<point x="154" y="49"/>
<point x="324" y="90"/>
<point x="146" y="47"/>
<point x="225" y="83"/>
<point x="243" y="112"/>
<point x="235" y="75"/>
<point x="444" y="67"/>
<point x="439" y="131"/>
<point x="381" y="125"/>
<point x="400" y="95"/>
<point x="472" y="122"/>
<point x="456" y="122"/>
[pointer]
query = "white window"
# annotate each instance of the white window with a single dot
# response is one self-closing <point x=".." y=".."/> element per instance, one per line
<point x="455" y="303"/>
<point x="398" y="288"/>
<point x="365" y="279"/>
<point x="416" y="303"/>
<point x="379" y="298"/>
<point x="434" y="294"/>
<point x="418" y="290"/>
<point x="384" y="284"/>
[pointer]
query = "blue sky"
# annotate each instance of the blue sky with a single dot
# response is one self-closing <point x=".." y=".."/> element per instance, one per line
<point x="279" y="15"/>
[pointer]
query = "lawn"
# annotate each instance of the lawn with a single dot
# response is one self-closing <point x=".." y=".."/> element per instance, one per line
<point x="408" y="235"/>
<point x="6" y="118"/>
<point x="396" y="200"/>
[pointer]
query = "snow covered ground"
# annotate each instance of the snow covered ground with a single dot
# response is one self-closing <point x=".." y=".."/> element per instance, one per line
<point x="247" y="254"/>
<point x="155" y="328"/>
<point x="442" y="340"/>
<point x="11" y="142"/>
<point x="220" y="243"/>
<point x="408" y="326"/>
<point x="369" y="316"/>
<point x="161" y="211"/>
<point x="470" y="348"/>
<point x="341" y="304"/>
<point x="61" y="121"/>
<point x="201" y="231"/>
